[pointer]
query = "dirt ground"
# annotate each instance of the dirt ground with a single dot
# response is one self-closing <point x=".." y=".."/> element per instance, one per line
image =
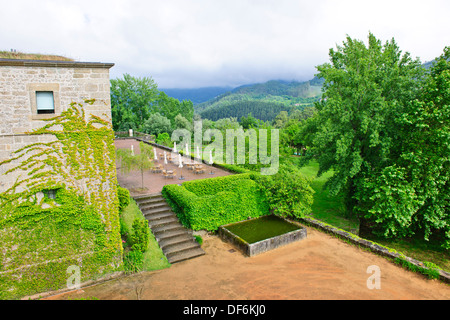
<point x="319" y="267"/>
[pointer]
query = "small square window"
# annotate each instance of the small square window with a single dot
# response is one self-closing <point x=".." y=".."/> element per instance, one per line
<point x="51" y="193"/>
<point x="45" y="102"/>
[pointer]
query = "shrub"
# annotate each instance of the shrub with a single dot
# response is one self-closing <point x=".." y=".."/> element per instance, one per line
<point x="133" y="261"/>
<point x="139" y="236"/>
<point x="209" y="203"/>
<point x="288" y="192"/>
<point x="124" y="197"/>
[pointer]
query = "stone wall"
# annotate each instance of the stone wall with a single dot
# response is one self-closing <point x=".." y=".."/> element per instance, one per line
<point x="58" y="184"/>
<point x="70" y="81"/>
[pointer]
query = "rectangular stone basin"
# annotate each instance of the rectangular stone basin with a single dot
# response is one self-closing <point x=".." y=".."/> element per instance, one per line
<point x="255" y="236"/>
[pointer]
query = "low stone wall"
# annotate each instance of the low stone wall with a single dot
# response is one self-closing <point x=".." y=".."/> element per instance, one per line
<point x="372" y="246"/>
<point x="252" y="249"/>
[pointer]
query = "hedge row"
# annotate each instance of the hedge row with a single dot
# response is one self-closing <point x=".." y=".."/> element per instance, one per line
<point x="209" y="203"/>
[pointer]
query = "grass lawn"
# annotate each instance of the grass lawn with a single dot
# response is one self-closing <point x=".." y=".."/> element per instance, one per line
<point x="154" y="259"/>
<point x="331" y="210"/>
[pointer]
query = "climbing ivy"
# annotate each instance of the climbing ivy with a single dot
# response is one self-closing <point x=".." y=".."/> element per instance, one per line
<point x="42" y="235"/>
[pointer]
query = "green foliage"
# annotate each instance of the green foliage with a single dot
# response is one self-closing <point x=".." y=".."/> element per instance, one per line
<point x="156" y="124"/>
<point x="41" y="237"/>
<point x="264" y="100"/>
<point x="164" y="139"/>
<point x="124" y="197"/>
<point x="131" y="101"/>
<point x="209" y="203"/>
<point x="383" y="130"/>
<point x="139" y="235"/>
<point x="262" y="110"/>
<point x="134" y="101"/>
<point x="288" y="192"/>
<point x="133" y="261"/>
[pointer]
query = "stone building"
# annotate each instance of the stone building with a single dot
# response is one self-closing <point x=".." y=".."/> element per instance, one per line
<point x="58" y="192"/>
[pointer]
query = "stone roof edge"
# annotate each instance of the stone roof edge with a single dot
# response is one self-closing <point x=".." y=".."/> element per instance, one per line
<point x="53" y="63"/>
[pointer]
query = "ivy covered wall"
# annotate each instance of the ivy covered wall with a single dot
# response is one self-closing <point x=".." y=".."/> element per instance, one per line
<point x="62" y="210"/>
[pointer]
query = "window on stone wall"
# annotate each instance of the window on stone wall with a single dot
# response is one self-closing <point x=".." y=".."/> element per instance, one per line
<point x="45" y="102"/>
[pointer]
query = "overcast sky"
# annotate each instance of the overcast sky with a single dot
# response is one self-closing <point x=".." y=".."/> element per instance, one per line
<point x="199" y="43"/>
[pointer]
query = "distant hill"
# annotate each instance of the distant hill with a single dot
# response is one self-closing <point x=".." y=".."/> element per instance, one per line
<point x="263" y="100"/>
<point x="197" y="95"/>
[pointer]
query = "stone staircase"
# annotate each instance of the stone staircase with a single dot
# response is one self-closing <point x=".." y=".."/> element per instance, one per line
<point x="176" y="242"/>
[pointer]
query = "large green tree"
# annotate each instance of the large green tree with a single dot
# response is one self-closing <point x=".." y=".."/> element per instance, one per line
<point x="411" y="195"/>
<point x="355" y="132"/>
<point x="132" y="99"/>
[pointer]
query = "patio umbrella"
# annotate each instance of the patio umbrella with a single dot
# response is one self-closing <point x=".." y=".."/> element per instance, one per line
<point x="198" y="154"/>
<point x="211" y="161"/>
<point x="165" y="157"/>
<point x="180" y="166"/>
<point x="187" y="151"/>
<point x="174" y="147"/>
<point x="156" y="156"/>
<point x="132" y="150"/>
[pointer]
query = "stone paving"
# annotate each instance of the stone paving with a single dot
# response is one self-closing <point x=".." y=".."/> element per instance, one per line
<point x="154" y="182"/>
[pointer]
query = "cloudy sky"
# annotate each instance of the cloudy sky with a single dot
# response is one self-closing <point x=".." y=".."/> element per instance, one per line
<point x="199" y="43"/>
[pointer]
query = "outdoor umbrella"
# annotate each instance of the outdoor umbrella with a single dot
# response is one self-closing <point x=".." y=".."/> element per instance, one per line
<point x="156" y="156"/>
<point x="198" y="154"/>
<point x="211" y="161"/>
<point x="180" y="166"/>
<point x="174" y="147"/>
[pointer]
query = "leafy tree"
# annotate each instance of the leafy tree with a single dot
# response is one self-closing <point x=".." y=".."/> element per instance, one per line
<point x="288" y="192"/>
<point x="248" y="122"/>
<point x="164" y="139"/>
<point x="412" y="195"/>
<point x="131" y="101"/>
<point x="355" y="132"/>
<point x="182" y="123"/>
<point x="156" y="124"/>
<point x="141" y="161"/>
<point x="170" y="108"/>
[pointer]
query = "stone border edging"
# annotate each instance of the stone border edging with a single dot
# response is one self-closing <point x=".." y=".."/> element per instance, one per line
<point x="372" y="246"/>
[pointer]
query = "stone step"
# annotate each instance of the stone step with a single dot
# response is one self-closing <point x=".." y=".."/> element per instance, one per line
<point x="148" y="197"/>
<point x="156" y="211"/>
<point x="167" y="234"/>
<point x="152" y="203"/>
<point x="185" y="255"/>
<point x="168" y="242"/>
<point x="180" y="247"/>
<point x="176" y="242"/>
<point x="159" y="215"/>
<point x="163" y="221"/>
<point x="166" y="228"/>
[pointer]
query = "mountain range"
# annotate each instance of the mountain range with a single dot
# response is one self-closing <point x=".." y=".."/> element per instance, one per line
<point x="263" y="100"/>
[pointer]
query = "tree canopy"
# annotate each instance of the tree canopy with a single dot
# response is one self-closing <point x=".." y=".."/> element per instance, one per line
<point x="380" y="124"/>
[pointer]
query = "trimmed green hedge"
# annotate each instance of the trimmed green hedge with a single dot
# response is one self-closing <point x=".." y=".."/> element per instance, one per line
<point x="209" y="203"/>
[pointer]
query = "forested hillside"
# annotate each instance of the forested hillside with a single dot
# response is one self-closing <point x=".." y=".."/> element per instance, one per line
<point x="197" y="95"/>
<point x="263" y="100"/>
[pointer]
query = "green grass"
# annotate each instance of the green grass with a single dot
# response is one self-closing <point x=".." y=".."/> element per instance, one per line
<point x="154" y="259"/>
<point x="327" y="208"/>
